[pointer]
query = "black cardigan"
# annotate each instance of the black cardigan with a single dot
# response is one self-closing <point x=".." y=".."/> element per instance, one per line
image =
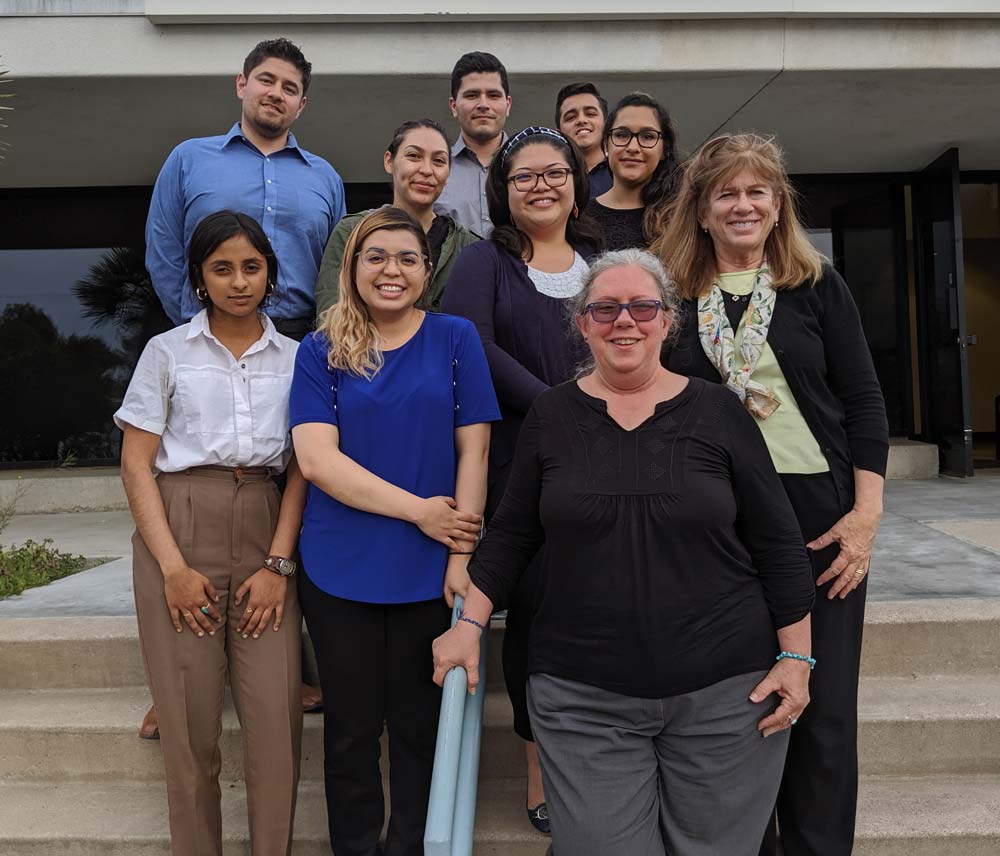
<point x="817" y="338"/>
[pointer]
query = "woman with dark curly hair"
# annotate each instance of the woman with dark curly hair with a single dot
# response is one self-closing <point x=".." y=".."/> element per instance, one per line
<point x="514" y="287"/>
<point x="640" y="144"/>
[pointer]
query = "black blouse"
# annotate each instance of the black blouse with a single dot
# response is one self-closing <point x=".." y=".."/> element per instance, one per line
<point x="671" y="552"/>
<point x="621" y="228"/>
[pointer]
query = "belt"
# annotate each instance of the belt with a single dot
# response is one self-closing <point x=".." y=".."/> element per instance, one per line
<point x="234" y="473"/>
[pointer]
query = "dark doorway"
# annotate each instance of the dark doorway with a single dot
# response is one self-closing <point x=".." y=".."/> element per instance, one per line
<point x="943" y="333"/>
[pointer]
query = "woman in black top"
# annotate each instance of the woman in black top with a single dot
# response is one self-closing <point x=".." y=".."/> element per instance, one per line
<point x="673" y="574"/>
<point x="640" y="143"/>
<point x="769" y="316"/>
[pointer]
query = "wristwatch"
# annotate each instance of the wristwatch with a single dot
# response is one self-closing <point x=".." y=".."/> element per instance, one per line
<point x="280" y="565"/>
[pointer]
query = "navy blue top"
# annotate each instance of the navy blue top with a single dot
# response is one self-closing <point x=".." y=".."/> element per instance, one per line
<point x="528" y="336"/>
<point x="296" y="197"/>
<point x="601" y="179"/>
<point x="400" y="426"/>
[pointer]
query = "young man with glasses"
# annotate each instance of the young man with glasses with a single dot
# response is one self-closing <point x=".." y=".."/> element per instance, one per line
<point x="580" y="114"/>
<point x="480" y="101"/>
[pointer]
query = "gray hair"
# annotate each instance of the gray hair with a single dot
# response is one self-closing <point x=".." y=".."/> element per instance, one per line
<point x="644" y="261"/>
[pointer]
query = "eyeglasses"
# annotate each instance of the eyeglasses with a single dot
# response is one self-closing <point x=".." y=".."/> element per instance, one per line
<point x="406" y="261"/>
<point x="607" y="311"/>
<point x="555" y="177"/>
<point x="647" y="137"/>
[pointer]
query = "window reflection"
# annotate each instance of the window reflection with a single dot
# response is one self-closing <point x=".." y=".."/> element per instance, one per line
<point x="72" y="325"/>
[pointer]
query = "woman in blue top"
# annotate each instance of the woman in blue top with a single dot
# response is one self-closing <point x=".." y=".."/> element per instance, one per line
<point x="390" y="410"/>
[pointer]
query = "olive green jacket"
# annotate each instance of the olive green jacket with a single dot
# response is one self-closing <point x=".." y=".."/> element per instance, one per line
<point x="328" y="281"/>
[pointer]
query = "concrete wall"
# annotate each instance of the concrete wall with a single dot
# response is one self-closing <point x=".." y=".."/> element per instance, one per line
<point x="102" y="100"/>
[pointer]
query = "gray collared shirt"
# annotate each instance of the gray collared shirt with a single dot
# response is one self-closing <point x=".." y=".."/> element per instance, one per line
<point x="464" y="196"/>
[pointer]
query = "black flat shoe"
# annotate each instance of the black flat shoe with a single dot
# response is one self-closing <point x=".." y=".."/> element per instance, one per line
<point x="539" y="818"/>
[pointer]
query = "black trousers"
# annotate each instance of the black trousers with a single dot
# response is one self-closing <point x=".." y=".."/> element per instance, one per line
<point x="819" y="789"/>
<point x="375" y="669"/>
<point x="520" y="614"/>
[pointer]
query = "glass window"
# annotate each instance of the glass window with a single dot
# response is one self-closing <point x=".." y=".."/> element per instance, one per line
<point x="72" y="325"/>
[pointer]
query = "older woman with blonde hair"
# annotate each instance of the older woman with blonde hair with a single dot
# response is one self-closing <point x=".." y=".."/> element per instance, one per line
<point x="768" y="316"/>
<point x="390" y="410"/>
<point x="672" y="630"/>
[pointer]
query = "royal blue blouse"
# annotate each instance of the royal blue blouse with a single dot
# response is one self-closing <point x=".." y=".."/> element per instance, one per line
<point x="400" y="425"/>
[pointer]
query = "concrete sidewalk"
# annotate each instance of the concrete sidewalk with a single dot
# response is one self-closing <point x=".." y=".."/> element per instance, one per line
<point x="939" y="538"/>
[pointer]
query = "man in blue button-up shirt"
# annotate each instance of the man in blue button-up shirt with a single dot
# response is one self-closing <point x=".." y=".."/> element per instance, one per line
<point x="259" y="169"/>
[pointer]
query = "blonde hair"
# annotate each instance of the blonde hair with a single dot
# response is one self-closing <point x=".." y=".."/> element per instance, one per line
<point x="354" y="340"/>
<point x="687" y="250"/>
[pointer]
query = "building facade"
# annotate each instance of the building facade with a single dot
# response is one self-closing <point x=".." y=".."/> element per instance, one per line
<point x="888" y="117"/>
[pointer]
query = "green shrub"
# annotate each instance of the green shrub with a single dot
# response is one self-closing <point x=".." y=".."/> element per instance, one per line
<point x="33" y="564"/>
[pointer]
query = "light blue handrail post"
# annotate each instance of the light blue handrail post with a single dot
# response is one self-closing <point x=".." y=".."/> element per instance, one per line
<point x="468" y="765"/>
<point x="451" y="810"/>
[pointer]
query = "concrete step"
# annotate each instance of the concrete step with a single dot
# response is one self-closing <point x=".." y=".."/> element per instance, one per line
<point x="43" y="491"/>
<point x="912" y="726"/>
<point x="912" y="459"/>
<point x="928" y="816"/>
<point x="922" y="637"/>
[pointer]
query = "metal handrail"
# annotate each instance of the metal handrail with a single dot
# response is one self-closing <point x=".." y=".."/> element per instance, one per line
<point x="451" y="810"/>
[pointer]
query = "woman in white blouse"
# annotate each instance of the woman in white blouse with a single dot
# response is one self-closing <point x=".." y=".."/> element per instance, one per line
<point x="205" y="420"/>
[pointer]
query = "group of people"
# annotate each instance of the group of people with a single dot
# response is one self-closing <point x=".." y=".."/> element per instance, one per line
<point x="637" y="377"/>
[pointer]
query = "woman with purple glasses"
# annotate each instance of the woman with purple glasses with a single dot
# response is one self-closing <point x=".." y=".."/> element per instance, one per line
<point x="673" y="630"/>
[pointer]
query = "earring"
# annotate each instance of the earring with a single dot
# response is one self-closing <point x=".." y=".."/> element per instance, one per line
<point x="269" y="289"/>
<point x="201" y="294"/>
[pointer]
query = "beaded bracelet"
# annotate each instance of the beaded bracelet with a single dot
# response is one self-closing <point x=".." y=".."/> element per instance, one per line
<point x="462" y="617"/>
<point x="788" y="655"/>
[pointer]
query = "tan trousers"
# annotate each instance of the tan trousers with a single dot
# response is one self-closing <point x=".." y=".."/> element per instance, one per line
<point x="223" y="521"/>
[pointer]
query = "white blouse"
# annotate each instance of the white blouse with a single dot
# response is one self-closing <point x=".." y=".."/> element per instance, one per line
<point x="207" y="406"/>
<point x="561" y="285"/>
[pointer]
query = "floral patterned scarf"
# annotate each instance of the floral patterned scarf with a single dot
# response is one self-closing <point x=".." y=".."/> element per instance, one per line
<point x="718" y="339"/>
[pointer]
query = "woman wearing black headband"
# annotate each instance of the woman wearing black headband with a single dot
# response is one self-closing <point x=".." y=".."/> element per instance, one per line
<point x="514" y="287"/>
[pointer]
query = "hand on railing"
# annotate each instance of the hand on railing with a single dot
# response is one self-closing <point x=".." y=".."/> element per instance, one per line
<point x="458" y="647"/>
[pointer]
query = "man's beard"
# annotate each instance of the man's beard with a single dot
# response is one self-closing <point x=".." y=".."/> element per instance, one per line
<point x="269" y="128"/>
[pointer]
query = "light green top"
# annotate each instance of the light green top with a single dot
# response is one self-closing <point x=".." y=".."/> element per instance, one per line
<point x="791" y="444"/>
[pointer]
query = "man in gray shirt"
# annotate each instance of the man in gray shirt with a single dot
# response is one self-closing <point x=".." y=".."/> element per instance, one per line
<point x="480" y="101"/>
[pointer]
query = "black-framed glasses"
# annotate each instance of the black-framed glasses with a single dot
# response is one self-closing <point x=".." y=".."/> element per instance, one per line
<point x="407" y="260"/>
<point x="554" y="177"/>
<point x="607" y="311"/>
<point x="647" y="137"/>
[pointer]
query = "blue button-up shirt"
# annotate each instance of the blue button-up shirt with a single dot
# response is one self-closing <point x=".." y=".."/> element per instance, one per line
<point x="464" y="196"/>
<point x="296" y="197"/>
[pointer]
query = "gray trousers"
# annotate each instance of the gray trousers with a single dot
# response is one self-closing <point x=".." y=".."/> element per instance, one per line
<point x="688" y="775"/>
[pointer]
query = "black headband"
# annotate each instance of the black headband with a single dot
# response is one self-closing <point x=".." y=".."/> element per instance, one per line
<point x="533" y="131"/>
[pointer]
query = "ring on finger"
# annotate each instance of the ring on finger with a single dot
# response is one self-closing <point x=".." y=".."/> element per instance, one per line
<point x="249" y="610"/>
<point x="204" y="609"/>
